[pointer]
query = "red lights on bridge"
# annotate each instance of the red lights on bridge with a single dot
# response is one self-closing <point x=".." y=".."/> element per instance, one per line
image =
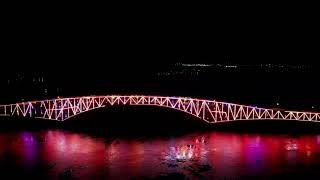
<point x="207" y="110"/>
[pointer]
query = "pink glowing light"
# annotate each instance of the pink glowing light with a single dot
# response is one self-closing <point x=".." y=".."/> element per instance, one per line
<point x="207" y="110"/>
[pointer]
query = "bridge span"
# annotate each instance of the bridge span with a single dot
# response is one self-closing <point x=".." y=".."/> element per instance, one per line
<point x="210" y="111"/>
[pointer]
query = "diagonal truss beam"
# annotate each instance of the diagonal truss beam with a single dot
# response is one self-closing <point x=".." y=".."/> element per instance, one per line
<point x="207" y="110"/>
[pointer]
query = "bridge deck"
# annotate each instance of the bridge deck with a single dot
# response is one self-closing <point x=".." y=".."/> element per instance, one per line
<point x="207" y="110"/>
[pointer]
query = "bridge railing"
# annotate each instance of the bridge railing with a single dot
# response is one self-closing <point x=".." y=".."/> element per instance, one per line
<point x="207" y="110"/>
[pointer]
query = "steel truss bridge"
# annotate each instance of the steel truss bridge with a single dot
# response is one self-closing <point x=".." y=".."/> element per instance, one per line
<point x="210" y="111"/>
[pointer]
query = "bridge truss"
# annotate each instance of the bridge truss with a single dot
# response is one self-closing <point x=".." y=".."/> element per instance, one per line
<point x="209" y="111"/>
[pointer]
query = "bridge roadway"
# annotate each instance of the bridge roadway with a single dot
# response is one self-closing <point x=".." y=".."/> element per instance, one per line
<point x="210" y="111"/>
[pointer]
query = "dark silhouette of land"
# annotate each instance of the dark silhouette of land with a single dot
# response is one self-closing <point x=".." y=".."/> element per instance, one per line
<point x="153" y="121"/>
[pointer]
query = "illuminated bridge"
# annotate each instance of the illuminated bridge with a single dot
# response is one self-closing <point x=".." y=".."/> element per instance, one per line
<point x="209" y="111"/>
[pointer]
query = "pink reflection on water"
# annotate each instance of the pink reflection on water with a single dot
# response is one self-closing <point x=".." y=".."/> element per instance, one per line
<point x="211" y="154"/>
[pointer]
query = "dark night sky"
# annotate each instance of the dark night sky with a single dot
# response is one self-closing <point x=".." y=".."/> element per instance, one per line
<point x="81" y="47"/>
<point x="136" y="41"/>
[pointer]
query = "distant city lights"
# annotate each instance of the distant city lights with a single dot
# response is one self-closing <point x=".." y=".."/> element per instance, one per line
<point x="197" y="65"/>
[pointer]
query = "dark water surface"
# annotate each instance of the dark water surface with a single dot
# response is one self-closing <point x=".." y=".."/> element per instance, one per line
<point x="60" y="154"/>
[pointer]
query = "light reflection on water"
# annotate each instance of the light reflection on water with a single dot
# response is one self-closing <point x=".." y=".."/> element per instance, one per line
<point x="199" y="155"/>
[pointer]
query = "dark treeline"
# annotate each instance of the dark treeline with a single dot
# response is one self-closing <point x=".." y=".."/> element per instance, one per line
<point x="294" y="89"/>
